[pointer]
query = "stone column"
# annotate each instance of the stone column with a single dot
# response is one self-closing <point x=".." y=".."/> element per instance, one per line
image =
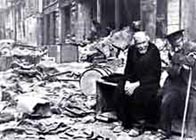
<point x="52" y="29"/>
<point x="148" y="17"/>
<point x="117" y="14"/>
<point x="39" y="29"/>
<point x="99" y="11"/>
<point x="62" y="26"/>
<point x="45" y="30"/>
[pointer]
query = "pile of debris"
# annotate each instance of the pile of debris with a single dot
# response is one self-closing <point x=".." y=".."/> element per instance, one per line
<point x="34" y="105"/>
<point x="107" y="47"/>
<point x="43" y="100"/>
<point x="112" y="49"/>
<point x="33" y="108"/>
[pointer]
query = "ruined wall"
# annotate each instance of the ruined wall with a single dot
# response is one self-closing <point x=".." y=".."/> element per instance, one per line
<point x="190" y="18"/>
<point x="148" y="17"/>
<point x="161" y="18"/>
<point x="3" y="4"/>
<point x="173" y="18"/>
<point x="30" y="23"/>
<point x="182" y="16"/>
<point x="83" y="20"/>
<point x="9" y="24"/>
<point x="21" y="21"/>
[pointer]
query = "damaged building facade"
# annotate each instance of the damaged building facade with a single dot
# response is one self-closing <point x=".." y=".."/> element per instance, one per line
<point x="53" y="23"/>
<point x="65" y="18"/>
<point x="173" y="15"/>
<point x="74" y="17"/>
<point x="22" y="21"/>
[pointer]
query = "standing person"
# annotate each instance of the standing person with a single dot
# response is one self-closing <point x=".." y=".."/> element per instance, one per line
<point x="175" y="87"/>
<point x="135" y="96"/>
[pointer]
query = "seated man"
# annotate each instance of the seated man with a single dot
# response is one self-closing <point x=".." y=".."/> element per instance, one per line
<point x="135" y="96"/>
<point x="175" y="87"/>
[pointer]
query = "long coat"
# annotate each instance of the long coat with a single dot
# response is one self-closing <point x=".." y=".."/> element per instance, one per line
<point x="175" y="88"/>
<point x="145" y="68"/>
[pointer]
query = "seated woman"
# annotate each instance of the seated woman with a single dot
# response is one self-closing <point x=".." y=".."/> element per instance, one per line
<point x="136" y="95"/>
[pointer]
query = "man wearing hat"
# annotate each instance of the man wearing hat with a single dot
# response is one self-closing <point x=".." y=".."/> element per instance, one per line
<point x="174" y="91"/>
<point x="136" y="95"/>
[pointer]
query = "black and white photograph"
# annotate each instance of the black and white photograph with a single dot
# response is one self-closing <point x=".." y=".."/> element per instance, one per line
<point x="97" y="69"/>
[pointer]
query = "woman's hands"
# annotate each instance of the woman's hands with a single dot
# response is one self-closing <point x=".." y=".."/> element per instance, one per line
<point x="130" y="87"/>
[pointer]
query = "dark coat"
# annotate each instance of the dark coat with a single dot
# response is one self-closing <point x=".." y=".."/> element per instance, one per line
<point x="175" y="88"/>
<point x="145" y="68"/>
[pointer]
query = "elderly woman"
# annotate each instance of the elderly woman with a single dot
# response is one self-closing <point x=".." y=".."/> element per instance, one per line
<point x="136" y="94"/>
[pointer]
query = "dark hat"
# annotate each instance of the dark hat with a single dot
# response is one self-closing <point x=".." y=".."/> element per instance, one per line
<point x="175" y="36"/>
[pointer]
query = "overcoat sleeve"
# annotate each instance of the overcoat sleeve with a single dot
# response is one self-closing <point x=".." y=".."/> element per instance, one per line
<point x="177" y="62"/>
<point x="153" y="71"/>
<point x="129" y="68"/>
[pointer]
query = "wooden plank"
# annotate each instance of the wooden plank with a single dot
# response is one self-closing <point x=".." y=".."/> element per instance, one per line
<point x="51" y="8"/>
<point x="106" y="83"/>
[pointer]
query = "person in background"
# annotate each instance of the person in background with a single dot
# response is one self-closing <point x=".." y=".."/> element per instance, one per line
<point x="182" y="58"/>
<point x="135" y="96"/>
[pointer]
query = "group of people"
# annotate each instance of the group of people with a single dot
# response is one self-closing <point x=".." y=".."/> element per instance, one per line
<point x="139" y="99"/>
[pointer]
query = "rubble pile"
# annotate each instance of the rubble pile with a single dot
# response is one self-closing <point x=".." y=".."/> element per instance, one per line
<point x="38" y="106"/>
<point x="107" y="47"/>
<point x="42" y="109"/>
<point x="112" y="49"/>
<point x="43" y="100"/>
